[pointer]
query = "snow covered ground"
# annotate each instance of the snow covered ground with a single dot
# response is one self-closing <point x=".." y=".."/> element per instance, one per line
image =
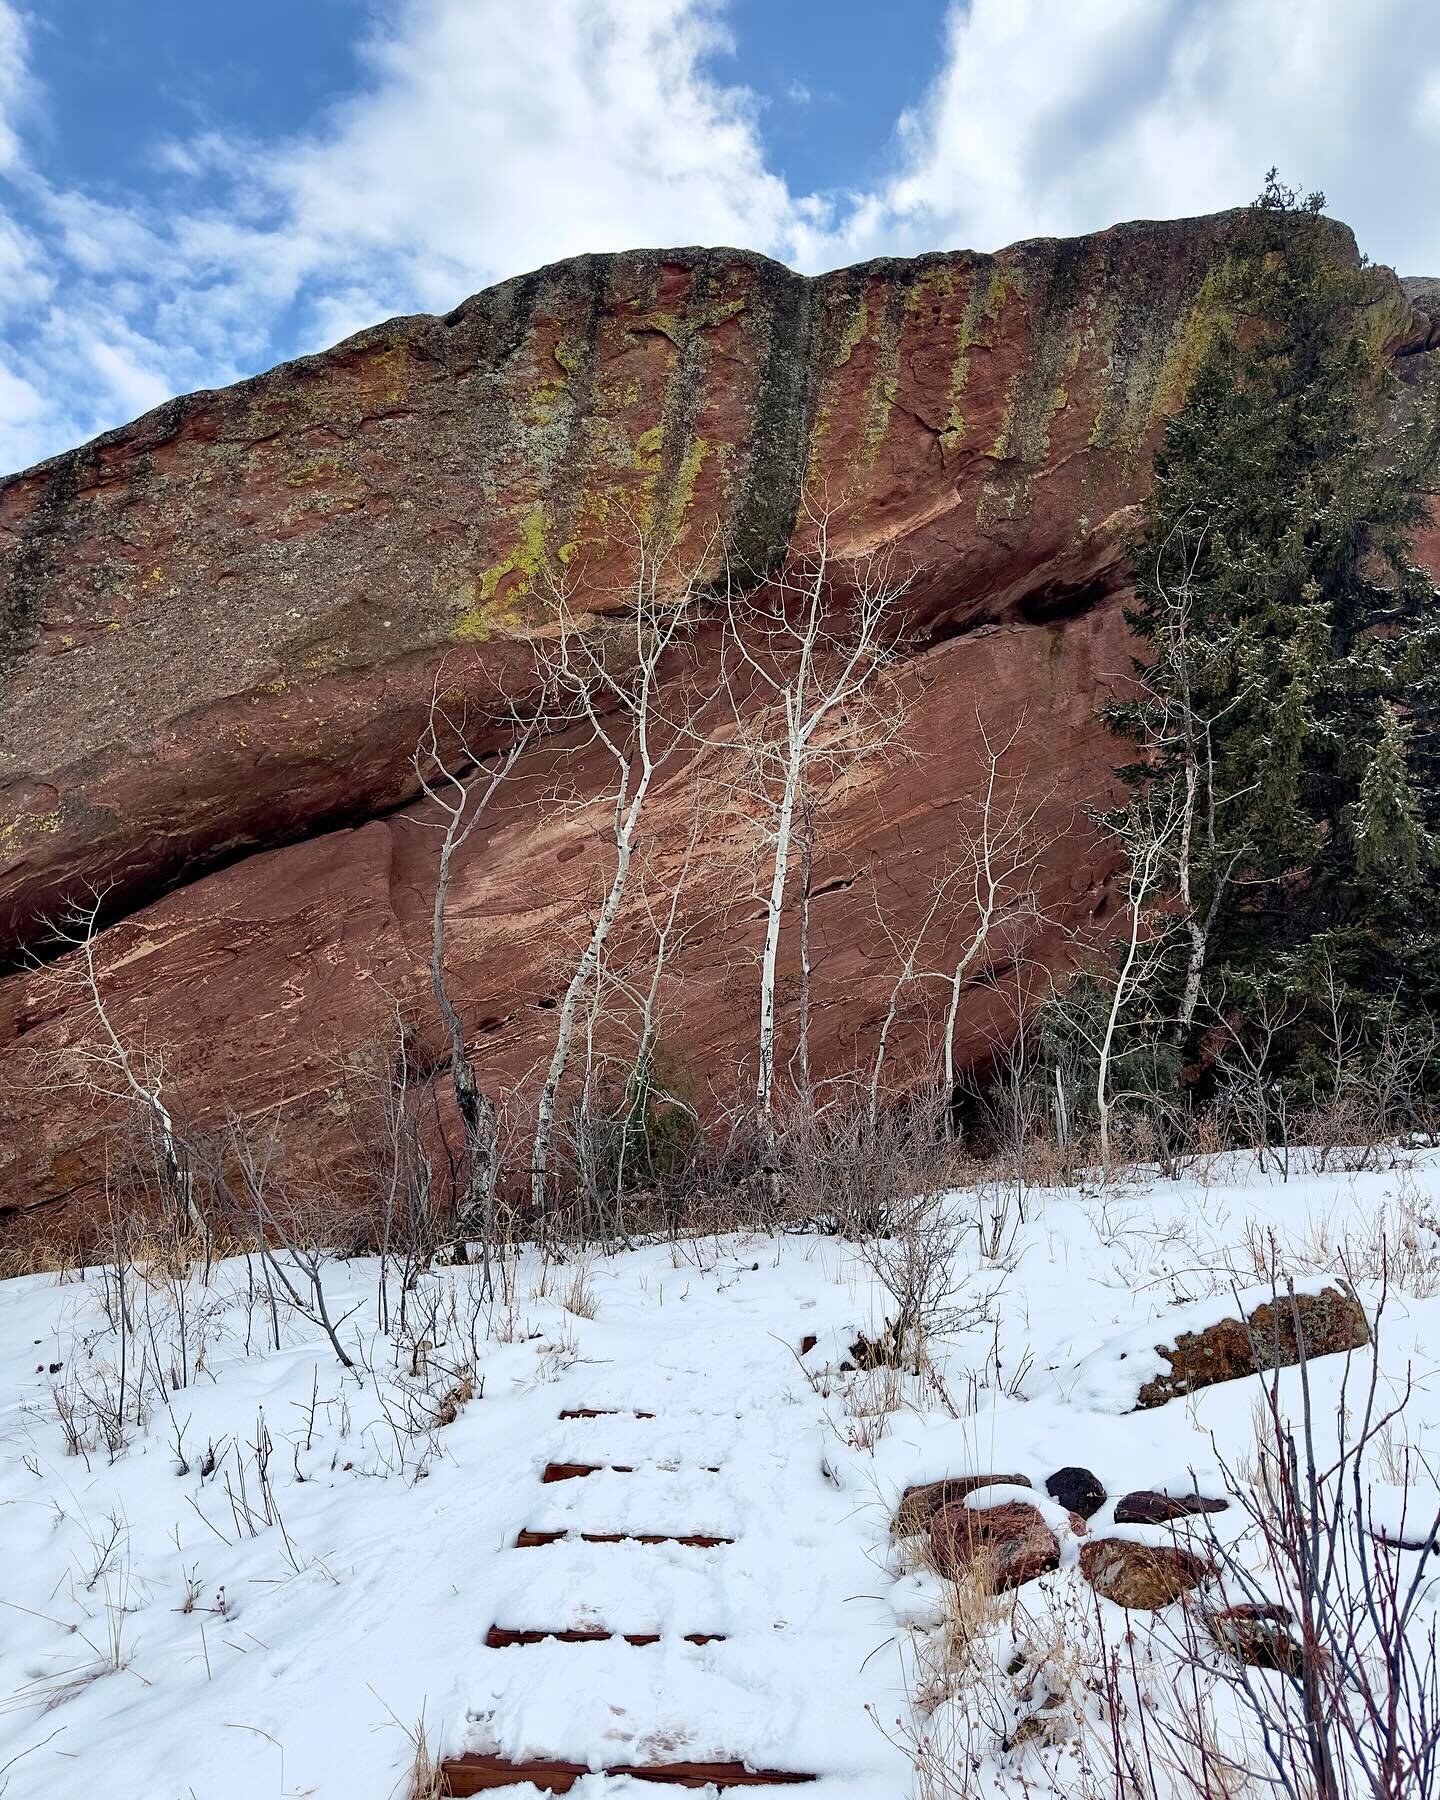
<point x="264" y="1586"/>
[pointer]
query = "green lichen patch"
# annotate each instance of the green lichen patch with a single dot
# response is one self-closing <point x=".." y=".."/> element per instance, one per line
<point x="24" y="828"/>
<point x="488" y="605"/>
<point x="683" y="328"/>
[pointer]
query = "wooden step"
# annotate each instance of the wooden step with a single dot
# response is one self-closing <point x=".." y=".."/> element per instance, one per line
<point x="602" y="1412"/>
<point x="558" y="1471"/>
<point x="531" y="1540"/>
<point x="477" y="1773"/>
<point x="502" y="1637"/>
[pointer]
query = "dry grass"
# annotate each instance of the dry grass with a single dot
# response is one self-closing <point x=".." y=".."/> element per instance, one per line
<point x="426" y="1780"/>
<point x="579" y="1295"/>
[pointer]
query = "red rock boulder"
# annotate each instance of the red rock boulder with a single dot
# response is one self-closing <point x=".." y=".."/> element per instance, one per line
<point x="1007" y="1544"/>
<point x="918" y="1505"/>
<point x="1273" y="1335"/>
<point x="1143" y="1577"/>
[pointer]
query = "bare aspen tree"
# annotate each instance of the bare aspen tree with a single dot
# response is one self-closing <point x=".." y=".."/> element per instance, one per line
<point x="1150" y="841"/>
<point x="625" y="1009"/>
<point x="994" y="869"/>
<point x="611" y="680"/>
<point x="988" y="878"/>
<point x="669" y="932"/>
<point x="909" y="955"/>
<point x="1176" y="739"/>
<point x="461" y="794"/>
<point x="111" y="1068"/>
<point x="799" y="671"/>
<point x="808" y="811"/>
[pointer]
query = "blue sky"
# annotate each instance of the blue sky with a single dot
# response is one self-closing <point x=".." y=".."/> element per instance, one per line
<point x="191" y="190"/>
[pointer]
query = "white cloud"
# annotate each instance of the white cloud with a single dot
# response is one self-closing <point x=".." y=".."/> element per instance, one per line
<point x="1427" y="106"/>
<point x="1049" y="118"/>
<point x="16" y="94"/>
<point x="489" y="137"/>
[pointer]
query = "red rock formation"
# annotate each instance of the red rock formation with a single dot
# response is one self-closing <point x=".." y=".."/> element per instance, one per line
<point x="219" y="627"/>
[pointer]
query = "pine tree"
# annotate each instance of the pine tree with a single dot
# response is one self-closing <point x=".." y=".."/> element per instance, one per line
<point x="1284" y="703"/>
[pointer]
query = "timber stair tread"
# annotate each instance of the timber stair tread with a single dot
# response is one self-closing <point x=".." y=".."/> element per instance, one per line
<point x="478" y="1772"/>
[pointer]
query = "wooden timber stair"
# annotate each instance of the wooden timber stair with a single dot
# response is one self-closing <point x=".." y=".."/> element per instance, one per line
<point x="480" y="1772"/>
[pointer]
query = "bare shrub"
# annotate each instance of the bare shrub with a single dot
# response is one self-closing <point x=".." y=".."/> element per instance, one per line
<point x="918" y="1265"/>
<point x="1355" y="1708"/>
<point x="846" y="1168"/>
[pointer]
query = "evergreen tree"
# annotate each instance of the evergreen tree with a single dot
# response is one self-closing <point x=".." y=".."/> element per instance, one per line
<point x="1283" y="720"/>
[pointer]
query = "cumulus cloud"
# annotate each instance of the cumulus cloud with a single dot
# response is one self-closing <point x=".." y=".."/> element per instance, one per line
<point x="1048" y="118"/>
<point x="486" y="138"/>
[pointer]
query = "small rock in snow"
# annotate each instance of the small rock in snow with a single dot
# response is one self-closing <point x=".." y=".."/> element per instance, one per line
<point x="1079" y="1490"/>
<point x="1145" y="1507"/>
<point x="1261" y="1635"/>
<point x="1141" y="1576"/>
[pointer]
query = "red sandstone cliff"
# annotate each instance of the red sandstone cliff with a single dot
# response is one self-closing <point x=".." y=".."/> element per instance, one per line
<point x="219" y="627"/>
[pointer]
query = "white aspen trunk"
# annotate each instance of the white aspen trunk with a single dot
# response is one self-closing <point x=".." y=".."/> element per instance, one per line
<point x="807" y="869"/>
<point x="477" y="1115"/>
<point x="1117" y="1001"/>
<point x="957" y="984"/>
<point x="880" y="1049"/>
<point x="1194" y="971"/>
<point x="784" y="826"/>
<point x="584" y="969"/>
<point x="177" y="1169"/>
<point x="1195" y="964"/>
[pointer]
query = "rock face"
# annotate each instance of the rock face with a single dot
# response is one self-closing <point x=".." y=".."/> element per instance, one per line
<point x="220" y="627"/>
<point x="1423" y="293"/>
<point x="1272" y="1336"/>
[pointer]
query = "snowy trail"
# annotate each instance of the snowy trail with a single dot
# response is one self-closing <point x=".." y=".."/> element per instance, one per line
<point x="174" y="1628"/>
<point x="737" y="1445"/>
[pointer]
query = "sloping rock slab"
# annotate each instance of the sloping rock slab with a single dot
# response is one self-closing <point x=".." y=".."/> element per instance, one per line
<point x="1329" y="1322"/>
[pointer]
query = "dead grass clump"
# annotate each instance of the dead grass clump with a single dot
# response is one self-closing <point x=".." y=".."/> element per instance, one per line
<point x="948" y="1659"/>
<point x="579" y="1295"/>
